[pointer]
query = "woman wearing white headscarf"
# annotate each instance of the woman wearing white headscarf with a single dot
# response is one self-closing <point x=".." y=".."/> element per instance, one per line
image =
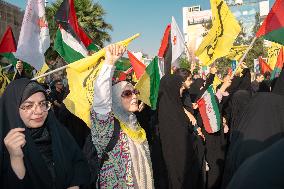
<point x="128" y="164"/>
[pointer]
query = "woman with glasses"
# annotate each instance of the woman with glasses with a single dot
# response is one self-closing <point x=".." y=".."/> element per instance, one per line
<point x="127" y="164"/>
<point x="35" y="150"/>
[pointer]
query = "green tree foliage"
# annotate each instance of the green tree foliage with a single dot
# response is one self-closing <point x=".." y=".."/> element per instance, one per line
<point x="258" y="48"/>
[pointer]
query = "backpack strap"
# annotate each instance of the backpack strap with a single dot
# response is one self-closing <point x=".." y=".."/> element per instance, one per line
<point x="112" y="142"/>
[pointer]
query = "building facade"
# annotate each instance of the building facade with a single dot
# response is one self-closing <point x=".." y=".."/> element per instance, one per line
<point x="10" y="15"/>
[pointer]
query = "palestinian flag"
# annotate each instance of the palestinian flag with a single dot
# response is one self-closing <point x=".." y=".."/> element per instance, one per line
<point x="69" y="48"/>
<point x="272" y="28"/>
<point x="138" y="67"/>
<point x="8" y="48"/>
<point x="209" y="111"/>
<point x="123" y="74"/>
<point x="71" y="42"/>
<point x="264" y="67"/>
<point x="279" y="64"/>
<point x="165" y="51"/>
<point x="149" y="84"/>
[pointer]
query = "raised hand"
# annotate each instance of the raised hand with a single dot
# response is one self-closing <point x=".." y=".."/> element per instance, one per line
<point x="113" y="53"/>
<point x="14" y="142"/>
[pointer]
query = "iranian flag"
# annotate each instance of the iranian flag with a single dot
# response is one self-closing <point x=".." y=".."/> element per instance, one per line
<point x="209" y="111"/>
<point x="71" y="42"/>
<point x="279" y="64"/>
<point x="149" y="84"/>
<point x="272" y="28"/>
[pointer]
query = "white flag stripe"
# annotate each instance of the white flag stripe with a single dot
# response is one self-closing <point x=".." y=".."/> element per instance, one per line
<point x="177" y="41"/>
<point x="34" y="37"/>
<point x="73" y="43"/>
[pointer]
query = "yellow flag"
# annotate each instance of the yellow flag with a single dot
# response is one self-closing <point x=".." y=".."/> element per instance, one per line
<point x="273" y="53"/>
<point x="41" y="72"/>
<point x="81" y="75"/>
<point x="217" y="81"/>
<point x="220" y="38"/>
<point x="4" y="81"/>
<point x="237" y="52"/>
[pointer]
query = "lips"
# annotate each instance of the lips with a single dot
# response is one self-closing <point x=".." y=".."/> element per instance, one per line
<point x="38" y="119"/>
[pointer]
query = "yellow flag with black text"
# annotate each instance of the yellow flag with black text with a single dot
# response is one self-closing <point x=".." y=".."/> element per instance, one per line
<point x="220" y="38"/>
<point x="237" y="52"/>
<point x="81" y="75"/>
<point x="272" y="55"/>
<point x="4" y="81"/>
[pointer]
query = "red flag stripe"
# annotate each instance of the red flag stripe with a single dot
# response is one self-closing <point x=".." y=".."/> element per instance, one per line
<point x="165" y="41"/>
<point x="264" y="67"/>
<point x="8" y="43"/>
<point x="274" y="19"/>
<point x="138" y="67"/>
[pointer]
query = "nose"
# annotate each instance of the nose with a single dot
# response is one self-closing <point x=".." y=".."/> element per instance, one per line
<point x="37" y="110"/>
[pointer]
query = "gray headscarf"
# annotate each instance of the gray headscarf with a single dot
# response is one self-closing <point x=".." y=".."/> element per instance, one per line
<point x="123" y="115"/>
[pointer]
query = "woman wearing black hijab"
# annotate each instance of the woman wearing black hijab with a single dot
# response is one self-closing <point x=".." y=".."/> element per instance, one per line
<point x="261" y="125"/>
<point x="263" y="170"/>
<point x="176" y="139"/>
<point x="35" y="150"/>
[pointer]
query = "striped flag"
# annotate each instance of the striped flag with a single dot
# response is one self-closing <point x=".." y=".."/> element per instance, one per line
<point x="209" y="111"/>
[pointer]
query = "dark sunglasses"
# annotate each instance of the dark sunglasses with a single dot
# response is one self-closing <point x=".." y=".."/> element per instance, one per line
<point x="129" y="93"/>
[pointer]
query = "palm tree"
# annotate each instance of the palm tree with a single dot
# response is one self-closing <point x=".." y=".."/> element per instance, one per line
<point x="90" y="17"/>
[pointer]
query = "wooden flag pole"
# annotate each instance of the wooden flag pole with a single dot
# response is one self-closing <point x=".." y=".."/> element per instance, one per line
<point x="243" y="57"/>
<point x="6" y="67"/>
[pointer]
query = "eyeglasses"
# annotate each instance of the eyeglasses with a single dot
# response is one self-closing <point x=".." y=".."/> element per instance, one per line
<point x="43" y="105"/>
<point x="129" y="93"/>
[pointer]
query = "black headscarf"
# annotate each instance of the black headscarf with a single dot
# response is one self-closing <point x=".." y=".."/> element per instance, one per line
<point x="194" y="90"/>
<point x="238" y="103"/>
<point x="261" y="125"/>
<point x="69" y="165"/>
<point x="176" y="140"/>
<point x="263" y="170"/>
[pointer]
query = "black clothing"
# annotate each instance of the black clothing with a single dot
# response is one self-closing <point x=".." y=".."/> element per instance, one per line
<point x="239" y="101"/>
<point x="176" y="139"/>
<point x="59" y="97"/>
<point x="263" y="170"/>
<point x="194" y="90"/>
<point x="261" y="125"/>
<point x="186" y="101"/>
<point x="77" y="127"/>
<point x="69" y="165"/>
<point x="22" y="75"/>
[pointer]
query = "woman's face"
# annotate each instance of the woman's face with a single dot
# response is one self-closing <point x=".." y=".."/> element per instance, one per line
<point x="34" y="110"/>
<point x="129" y="99"/>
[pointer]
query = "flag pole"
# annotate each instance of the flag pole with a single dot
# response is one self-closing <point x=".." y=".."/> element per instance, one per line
<point x="243" y="57"/>
<point x="6" y="67"/>
<point x="51" y="72"/>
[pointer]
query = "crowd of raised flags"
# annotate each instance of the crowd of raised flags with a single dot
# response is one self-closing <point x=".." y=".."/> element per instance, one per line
<point x="73" y="45"/>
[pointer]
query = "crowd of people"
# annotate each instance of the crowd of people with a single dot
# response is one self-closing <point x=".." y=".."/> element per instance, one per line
<point x="129" y="145"/>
